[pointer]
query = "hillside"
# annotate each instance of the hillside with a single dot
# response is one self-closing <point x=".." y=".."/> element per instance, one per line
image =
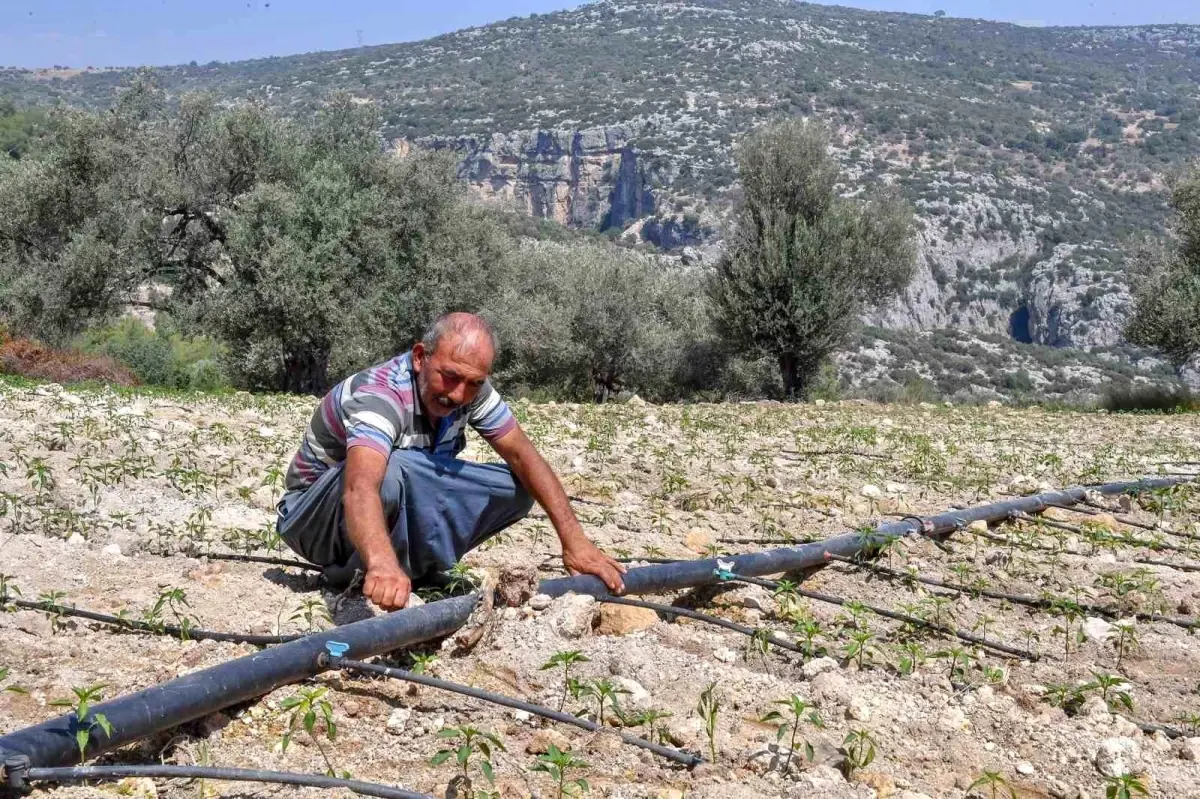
<point x="1031" y="154"/>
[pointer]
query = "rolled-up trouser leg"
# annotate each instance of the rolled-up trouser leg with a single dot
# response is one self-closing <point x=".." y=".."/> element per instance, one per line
<point x="437" y="508"/>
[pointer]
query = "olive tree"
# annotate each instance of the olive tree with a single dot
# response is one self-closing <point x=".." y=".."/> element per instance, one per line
<point x="1166" y="281"/>
<point x="802" y="262"/>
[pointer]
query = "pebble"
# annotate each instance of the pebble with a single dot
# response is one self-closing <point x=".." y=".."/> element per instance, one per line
<point x="725" y="655"/>
<point x="112" y="549"/>
<point x="398" y="720"/>
<point x="816" y="666"/>
<point x="571" y="615"/>
<point x="1025" y="768"/>
<point x="540" y="601"/>
<point x="1117" y="757"/>
<point x="858" y="710"/>
<point x="1189" y="749"/>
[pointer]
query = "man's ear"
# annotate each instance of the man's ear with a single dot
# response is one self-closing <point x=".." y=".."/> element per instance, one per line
<point x="418" y="352"/>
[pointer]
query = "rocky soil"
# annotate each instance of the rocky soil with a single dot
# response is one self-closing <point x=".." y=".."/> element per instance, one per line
<point x="112" y="499"/>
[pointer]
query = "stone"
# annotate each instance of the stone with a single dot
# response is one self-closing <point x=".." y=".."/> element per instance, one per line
<point x="1094" y="708"/>
<point x="883" y="784"/>
<point x="757" y="599"/>
<point x="698" y="540"/>
<point x="137" y="787"/>
<point x="263" y="497"/>
<point x="1124" y="728"/>
<point x="1188" y="749"/>
<point x="638" y="697"/>
<point x="1023" y="484"/>
<point x="1097" y="629"/>
<point x="572" y="615"/>
<point x="516" y="585"/>
<point x="398" y="720"/>
<point x="624" y="619"/>
<point x="819" y="781"/>
<point x="1104" y="520"/>
<point x="543" y="739"/>
<point x="817" y="666"/>
<point x="953" y="718"/>
<point x="76" y="540"/>
<point x="831" y="688"/>
<point x="540" y="601"/>
<point x="725" y="655"/>
<point x="913" y="795"/>
<point x="112" y="549"/>
<point x="1117" y="757"/>
<point x="1025" y="768"/>
<point x="978" y="526"/>
<point x="858" y="710"/>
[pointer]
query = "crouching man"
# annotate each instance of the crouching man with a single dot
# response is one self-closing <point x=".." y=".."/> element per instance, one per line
<point x="376" y="486"/>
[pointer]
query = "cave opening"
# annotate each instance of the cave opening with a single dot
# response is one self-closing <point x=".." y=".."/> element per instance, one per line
<point x="1018" y="325"/>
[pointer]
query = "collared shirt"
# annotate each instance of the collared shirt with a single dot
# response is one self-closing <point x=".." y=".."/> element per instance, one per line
<point x="380" y="408"/>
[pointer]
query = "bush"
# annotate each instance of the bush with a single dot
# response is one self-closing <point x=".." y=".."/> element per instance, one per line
<point x="33" y="359"/>
<point x="159" y="357"/>
<point x="1149" y="399"/>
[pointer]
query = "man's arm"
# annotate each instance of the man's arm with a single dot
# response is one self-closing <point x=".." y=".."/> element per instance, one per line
<point x="386" y="583"/>
<point x="580" y="555"/>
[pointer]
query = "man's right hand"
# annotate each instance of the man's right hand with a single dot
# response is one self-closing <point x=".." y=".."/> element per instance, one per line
<point x="388" y="587"/>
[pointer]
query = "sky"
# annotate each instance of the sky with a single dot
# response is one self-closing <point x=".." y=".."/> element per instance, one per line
<point x="80" y="33"/>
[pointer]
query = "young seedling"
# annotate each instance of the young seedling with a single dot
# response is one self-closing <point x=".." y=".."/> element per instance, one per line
<point x="313" y="613"/>
<point x="174" y="600"/>
<point x="707" y="709"/>
<point x="14" y="689"/>
<point x="83" y="724"/>
<point x="558" y="764"/>
<point x="798" y="711"/>
<point x="912" y="657"/>
<point x="565" y="660"/>
<point x="305" y="707"/>
<point x="992" y="785"/>
<point x="470" y="741"/>
<point x="960" y="661"/>
<point x="1126" y="786"/>
<point x="859" y="747"/>
<point x="1068" y="697"/>
<point x="807" y="630"/>
<point x="8" y="590"/>
<point x="605" y="692"/>
<point x="649" y="719"/>
<point x="1112" y="690"/>
<point x="1070" y="613"/>
<point x="1126" y="641"/>
<point x="423" y="662"/>
<point x="52" y="599"/>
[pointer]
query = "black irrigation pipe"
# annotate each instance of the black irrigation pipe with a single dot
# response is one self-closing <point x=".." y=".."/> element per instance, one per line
<point x="178" y="701"/>
<point x="133" y="625"/>
<point x="716" y="621"/>
<point x="685" y="758"/>
<point x="1124" y="540"/>
<point x="1019" y="599"/>
<point x="963" y="635"/>
<point x="17" y="776"/>
<point x="298" y="564"/>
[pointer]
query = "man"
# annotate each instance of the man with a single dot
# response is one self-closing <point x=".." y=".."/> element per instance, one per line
<point x="376" y="485"/>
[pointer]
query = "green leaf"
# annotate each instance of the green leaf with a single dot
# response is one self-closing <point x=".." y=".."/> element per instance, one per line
<point x="486" y="768"/>
<point x="441" y="757"/>
<point x="102" y="720"/>
<point x="287" y="739"/>
<point x="310" y="720"/>
<point x="291" y="702"/>
<point x="464" y="753"/>
<point x="81" y="740"/>
<point x="450" y="732"/>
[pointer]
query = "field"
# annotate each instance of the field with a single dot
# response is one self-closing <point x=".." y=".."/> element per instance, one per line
<point x="110" y="499"/>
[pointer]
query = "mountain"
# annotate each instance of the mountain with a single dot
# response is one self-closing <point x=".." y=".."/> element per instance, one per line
<point x="1031" y="154"/>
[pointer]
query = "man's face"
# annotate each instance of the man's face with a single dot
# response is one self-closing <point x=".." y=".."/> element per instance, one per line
<point x="450" y="378"/>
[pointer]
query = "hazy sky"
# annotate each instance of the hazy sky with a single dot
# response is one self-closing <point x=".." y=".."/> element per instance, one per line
<point x="127" y="32"/>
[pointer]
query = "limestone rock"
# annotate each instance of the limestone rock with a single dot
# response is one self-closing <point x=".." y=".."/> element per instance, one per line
<point x="831" y="688"/>
<point x="572" y="615"/>
<point x="543" y="739"/>
<point x="698" y="540"/>
<point x="883" y="784"/>
<point x="819" y="781"/>
<point x="398" y="720"/>
<point x="858" y="710"/>
<point x="1118" y="756"/>
<point x="817" y="666"/>
<point x="624" y="619"/>
<point x="540" y="601"/>
<point x="1097" y="629"/>
<point x="1188" y="749"/>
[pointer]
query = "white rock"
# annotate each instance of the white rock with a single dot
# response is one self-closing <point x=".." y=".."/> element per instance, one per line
<point x="725" y="655"/>
<point x="112" y="549"/>
<point x="820" y="403"/>
<point x="1025" y="768"/>
<point x="76" y="540"/>
<point x="1124" y="728"/>
<point x="895" y="488"/>
<point x="540" y="601"/>
<point x="816" y="666"/>
<point x="820" y="780"/>
<point x="522" y="715"/>
<point x="1097" y="629"/>
<point x="1189" y="749"/>
<point x="1094" y="708"/>
<point x="871" y="491"/>
<point x="1118" y="756"/>
<point x="398" y="720"/>
<point x="572" y="615"/>
<point x="953" y="718"/>
<point x="858" y="710"/>
<point x="831" y="688"/>
<point x="638" y="697"/>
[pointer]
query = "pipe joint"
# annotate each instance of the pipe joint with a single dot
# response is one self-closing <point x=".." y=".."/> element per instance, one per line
<point x="13" y="770"/>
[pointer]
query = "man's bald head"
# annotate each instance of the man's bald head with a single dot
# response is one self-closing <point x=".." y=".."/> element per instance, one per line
<point x="467" y="334"/>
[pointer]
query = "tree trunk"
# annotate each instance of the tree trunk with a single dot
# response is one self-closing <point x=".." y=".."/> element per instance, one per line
<point x="306" y="371"/>
<point x="788" y="368"/>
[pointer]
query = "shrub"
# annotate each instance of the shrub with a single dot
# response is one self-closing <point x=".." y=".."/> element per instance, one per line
<point x="33" y="359"/>
<point x="159" y="357"/>
<point x="1152" y="399"/>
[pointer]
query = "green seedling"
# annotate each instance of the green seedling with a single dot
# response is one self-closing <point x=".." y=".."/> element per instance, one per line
<point x="1126" y="786"/>
<point x="707" y="709"/>
<point x="14" y="689"/>
<point x="798" y="711"/>
<point x="470" y="742"/>
<point x="605" y="692"/>
<point x="83" y="724"/>
<point x="1126" y="641"/>
<point x="912" y="657"/>
<point x="760" y="642"/>
<point x="423" y="662"/>
<point x="8" y="590"/>
<point x="649" y="719"/>
<point x="565" y="660"/>
<point x="313" y="613"/>
<point x="305" y="708"/>
<point x="1112" y="690"/>
<point x="993" y="785"/>
<point x="860" y="650"/>
<point x="1067" y="697"/>
<point x="960" y="662"/>
<point x="558" y="764"/>
<point x="807" y="630"/>
<point x="52" y="600"/>
<point x="174" y="600"/>
<point x="859" y="748"/>
<point x="1070" y="613"/>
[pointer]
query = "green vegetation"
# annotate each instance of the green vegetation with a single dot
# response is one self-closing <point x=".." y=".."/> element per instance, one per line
<point x="803" y="263"/>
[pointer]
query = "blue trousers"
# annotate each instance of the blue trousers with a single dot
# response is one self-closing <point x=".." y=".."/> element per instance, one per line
<point x="437" y="508"/>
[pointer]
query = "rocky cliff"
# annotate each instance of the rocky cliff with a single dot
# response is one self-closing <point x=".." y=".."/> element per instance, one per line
<point x="588" y="178"/>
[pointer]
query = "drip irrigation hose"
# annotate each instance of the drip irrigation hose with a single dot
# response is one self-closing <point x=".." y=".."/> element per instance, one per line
<point x="1124" y="540"/>
<point x="297" y="564"/>
<point x="963" y="635"/>
<point x="1019" y="599"/>
<point x="1000" y="539"/>
<point x="1096" y="510"/>
<point x="1151" y="727"/>
<point x="161" y="707"/>
<point x="716" y="621"/>
<point x="133" y="625"/>
<point x="332" y="661"/>
<point x="17" y="777"/>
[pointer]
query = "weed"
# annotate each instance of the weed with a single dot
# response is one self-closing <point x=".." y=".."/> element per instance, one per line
<point x="471" y="741"/>
<point x="566" y="660"/>
<point x="707" y="709"/>
<point x="83" y="724"/>
<point x="798" y="711"/>
<point x="558" y="764"/>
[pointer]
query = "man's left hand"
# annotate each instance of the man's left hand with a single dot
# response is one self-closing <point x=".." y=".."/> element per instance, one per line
<point x="586" y="558"/>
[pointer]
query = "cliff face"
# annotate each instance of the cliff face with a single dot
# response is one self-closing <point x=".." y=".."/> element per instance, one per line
<point x="581" y="178"/>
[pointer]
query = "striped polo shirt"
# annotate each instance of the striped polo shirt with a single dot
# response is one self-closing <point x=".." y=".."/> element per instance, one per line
<point x="380" y="408"/>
